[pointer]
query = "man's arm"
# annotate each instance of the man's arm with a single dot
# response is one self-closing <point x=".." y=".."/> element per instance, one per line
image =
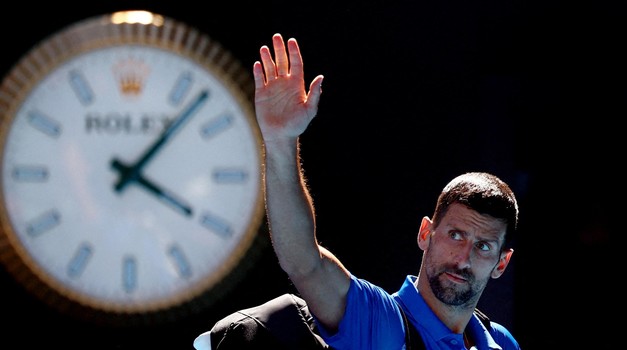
<point x="284" y="110"/>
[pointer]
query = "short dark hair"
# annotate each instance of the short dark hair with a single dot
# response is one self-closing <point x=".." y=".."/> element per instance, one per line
<point x="484" y="193"/>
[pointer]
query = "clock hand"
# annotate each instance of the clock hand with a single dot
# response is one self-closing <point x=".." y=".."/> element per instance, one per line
<point x="132" y="173"/>
<point x="164" y="195"/>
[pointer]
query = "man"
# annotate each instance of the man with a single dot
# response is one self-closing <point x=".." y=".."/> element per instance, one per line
<point x="464" y="244"/>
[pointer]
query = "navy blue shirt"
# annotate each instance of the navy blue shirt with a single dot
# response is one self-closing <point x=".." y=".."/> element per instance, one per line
<point x="372" y="320"/>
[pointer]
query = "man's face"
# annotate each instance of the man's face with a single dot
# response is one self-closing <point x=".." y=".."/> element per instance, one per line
<point x="463" y="253"/>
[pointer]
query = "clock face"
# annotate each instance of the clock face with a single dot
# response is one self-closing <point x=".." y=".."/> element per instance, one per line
<point x="131" y="166"/>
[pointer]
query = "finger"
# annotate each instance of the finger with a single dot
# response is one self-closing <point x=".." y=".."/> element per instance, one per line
<point x="280" y="55"/>
<point x="268" y="63"/>
<point x="258" y="75"/>
<point x="296" y="59"/>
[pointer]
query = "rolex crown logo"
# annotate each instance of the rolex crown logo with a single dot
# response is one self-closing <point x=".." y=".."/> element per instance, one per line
<point x="131" y="75"/>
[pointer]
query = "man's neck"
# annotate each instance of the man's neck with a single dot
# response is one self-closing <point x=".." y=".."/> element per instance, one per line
<point x="454" y="318"/>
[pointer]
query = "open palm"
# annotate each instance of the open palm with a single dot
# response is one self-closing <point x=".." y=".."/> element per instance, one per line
<point x="284" y="108"/>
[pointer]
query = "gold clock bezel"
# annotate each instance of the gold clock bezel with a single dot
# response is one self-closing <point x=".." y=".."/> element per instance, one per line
<point x="114" y="29"/>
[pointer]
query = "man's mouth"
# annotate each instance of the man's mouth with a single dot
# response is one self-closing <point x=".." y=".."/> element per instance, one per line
<point x="455" y="277"/>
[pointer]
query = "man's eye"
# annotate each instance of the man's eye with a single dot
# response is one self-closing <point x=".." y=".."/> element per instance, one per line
<point x="456" y="235"/>
<point x="483" y="246"/>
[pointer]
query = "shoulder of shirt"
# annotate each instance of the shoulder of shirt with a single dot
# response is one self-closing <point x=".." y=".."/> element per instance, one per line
<point x="502" y="336"/>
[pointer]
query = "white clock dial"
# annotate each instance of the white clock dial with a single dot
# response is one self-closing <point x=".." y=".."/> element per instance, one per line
<point x="130" y="166"/>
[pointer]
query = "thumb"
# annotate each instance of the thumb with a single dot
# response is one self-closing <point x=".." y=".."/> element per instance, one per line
<point x="315" y="90"/>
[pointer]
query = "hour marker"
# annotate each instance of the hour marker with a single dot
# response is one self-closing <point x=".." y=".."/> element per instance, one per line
<point x="81" y="88"/>
<point x="43" y="223"/>
<point x="30" y="173"/>
<point x="230" y="175"/>
<point x="216" y="125"/>
<point x="129" y="274"/>
<point x="181" y="88"/>
<point x="44" y="124"/>
<point x="216" y="225"/>
<point x="79" y="260"/>
<point x="180" y="261"/>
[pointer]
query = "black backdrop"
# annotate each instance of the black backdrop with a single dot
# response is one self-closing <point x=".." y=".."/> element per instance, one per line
<point x="414" y="94"/>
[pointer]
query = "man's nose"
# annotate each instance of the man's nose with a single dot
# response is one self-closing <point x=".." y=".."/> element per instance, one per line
<point x="463" y="255"/>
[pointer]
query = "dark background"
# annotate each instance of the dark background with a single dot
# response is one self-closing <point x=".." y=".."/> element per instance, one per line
<point x="416" y="93"/>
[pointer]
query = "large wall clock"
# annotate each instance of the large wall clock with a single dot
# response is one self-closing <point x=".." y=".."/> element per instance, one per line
<point x="130" y="169"/>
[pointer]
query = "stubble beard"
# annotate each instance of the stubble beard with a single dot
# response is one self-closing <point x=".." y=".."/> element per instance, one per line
<point x="450" y="293"/>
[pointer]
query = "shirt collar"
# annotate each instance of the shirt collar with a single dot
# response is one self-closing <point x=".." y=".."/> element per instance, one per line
<point x="414" y="304"/>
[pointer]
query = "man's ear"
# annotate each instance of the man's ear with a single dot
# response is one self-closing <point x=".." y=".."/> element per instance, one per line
<point x="424" y="233"/>
<point x="502" y="264"/>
